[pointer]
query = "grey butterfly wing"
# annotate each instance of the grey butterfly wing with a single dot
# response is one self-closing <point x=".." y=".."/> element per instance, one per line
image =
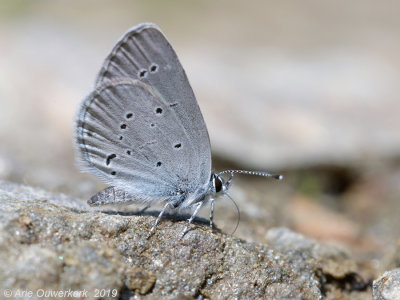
<point x="143" y="53"/>
<point x="112" y="195"/>
<point x="131" y="138"/>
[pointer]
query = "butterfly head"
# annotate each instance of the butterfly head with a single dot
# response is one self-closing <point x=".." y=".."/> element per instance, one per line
<point x="220" y="186"/>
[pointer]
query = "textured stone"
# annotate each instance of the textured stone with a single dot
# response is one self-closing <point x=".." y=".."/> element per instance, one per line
<point x="387" y="287"/>
<point x="51" y="246"/>
<point x="333" y="261"/>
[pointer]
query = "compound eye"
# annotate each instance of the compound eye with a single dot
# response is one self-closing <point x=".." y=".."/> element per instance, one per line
<point x="218" y="184"/>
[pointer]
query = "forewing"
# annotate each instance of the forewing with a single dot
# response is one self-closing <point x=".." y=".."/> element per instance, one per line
<point x="143" y="53"/>
<point x="130" y="137"/>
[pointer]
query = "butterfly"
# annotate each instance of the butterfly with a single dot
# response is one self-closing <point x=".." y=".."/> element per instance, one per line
<point x="141" y="131"/>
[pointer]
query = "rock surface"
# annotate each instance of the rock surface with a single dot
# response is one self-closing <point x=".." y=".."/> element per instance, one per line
<point x="53" y="244"/>
<point x="387" y="287"/>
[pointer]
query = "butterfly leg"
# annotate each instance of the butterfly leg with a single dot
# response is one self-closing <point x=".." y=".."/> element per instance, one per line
<point x="158" y="219"/>
<point x="198" y="206"/>
<point x="144" y="209"/>
<point x="212" y="213"/>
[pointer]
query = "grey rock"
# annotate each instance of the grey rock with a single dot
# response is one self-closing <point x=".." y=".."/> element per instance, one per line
<point x="50" y="244"/>
<point x="333" y="261"/>
<point x="13" y="191"/>
<point x="387" y="287"/>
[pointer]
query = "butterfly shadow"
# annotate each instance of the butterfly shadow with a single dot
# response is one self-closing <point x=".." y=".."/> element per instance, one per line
<point x="174" y="217"/>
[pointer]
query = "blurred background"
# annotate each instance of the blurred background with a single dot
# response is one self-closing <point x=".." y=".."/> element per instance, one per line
<point x="308" y="89"/>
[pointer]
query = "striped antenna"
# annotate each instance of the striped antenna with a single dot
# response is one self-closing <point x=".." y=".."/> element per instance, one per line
<point x="257" y="173"/>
